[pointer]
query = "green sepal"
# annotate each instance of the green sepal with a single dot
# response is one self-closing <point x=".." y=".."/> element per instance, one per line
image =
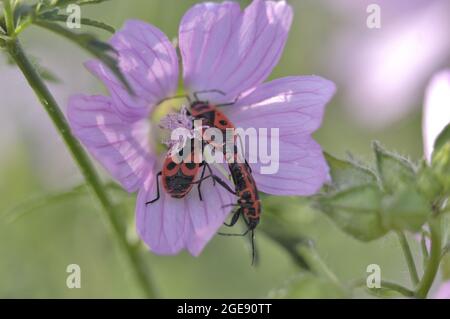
<point x="356" y="211"/>
<point x="394" y="170"/>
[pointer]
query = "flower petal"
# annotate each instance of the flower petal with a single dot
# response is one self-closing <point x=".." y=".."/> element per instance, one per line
<point x="122" y="148"/>
<point x="169" y="225"/>
<point x="301" y="169"/>
<point x="229" y="50"/>
<point x="149" y="63"/>
<point x="436" y="113"/>
<point x="294" y="105"/>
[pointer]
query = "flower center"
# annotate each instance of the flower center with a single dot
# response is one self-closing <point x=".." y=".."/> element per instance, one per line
<point x="161" y="119"/>
<point x="175" y="120"/>
<point x="182" y="122"/>
<point x="166" y="119"/>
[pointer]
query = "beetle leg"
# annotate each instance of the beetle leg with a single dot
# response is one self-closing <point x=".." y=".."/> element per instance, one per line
<point x="157" y="190"/>
<point x="230" y="205"/>
<point x="244" y="233"/>
<point x="231" y="103"/>
<point x="200" y="184"/>
<point x="223" y="184"/>
<point x="205" y="165"/>
<point x="195" y="94"/>
<point x="183" y="96"/>
<point x="218" y="180"/>
<point x="254" y="261"/>
<point x="234" y="219"/>
<point x="239" y="235"/>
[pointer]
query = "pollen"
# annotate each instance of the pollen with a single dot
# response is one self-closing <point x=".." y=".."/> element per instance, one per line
<point x="174" y="120"/>
<point x="182" y="122"/>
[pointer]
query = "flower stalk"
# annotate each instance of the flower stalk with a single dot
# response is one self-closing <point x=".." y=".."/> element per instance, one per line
<point x="434" y="259"/>
<point x="110" y="216"/>
<point x="385" y="285"/>
<point x="9" y="20"/>
<point x="317" y="265"/>
<point x="409" y="258"/>
<point x="398" y="288"/>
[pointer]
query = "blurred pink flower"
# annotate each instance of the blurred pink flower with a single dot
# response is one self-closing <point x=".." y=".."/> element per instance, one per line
<point x="436" y="111"/>
<point x="443" y="291"/>
<point x="382" y="70"/>
<point x="222" y="48"/>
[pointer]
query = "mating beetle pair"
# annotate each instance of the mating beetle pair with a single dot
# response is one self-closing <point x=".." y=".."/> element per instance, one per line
<point x="179" y="178"/>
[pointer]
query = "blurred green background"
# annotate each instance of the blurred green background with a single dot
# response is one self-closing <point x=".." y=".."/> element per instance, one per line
<point x="36" y="248"/>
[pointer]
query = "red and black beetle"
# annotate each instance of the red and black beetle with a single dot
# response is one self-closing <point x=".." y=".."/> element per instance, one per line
<point x="249" y="204"/>
<point x="178" y="175"/>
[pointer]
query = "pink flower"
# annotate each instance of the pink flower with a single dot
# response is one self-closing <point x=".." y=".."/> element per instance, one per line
<point x="222" y="48"/>
<point x="436" y="111"/>
<point x="381" y="79"/>
<point x="443" y="291"/>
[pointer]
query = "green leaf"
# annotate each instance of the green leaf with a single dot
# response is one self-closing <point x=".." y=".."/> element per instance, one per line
<point x="65" y="3"/>
<point x="59" y="17"/>
<point x="45" y="200"/>
<point x="309" y="286"/>
<point x="22" y="11"/>
<point x="25" y="14"/>
<point x="347" y="174"/>
<point x="48" y="75"/>
<point x="440" y="165"/>
<point x="45" y="73"/>
<point x="394" y="170"/>
<point x="54" y="6"/>
<point x="101" y="50"/>
<point x="406" y="209"/>
<point x="3" y="40"/>
<point x="79" y="2"/>
<point x="24" y="208"/>
<point x="442" y="139"/>
<point x="428" y="183"/>
<point x="383" y="292"/>
<point x="356" y="211"/>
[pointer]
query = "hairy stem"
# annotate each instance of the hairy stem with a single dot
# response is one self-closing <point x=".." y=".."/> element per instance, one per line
<point x="409" y="258"/>
<point x="110" y="216"/>
<point x="434" y="259"/>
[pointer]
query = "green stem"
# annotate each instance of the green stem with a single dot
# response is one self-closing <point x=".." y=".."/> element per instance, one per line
<point x="9" y="19"/>
<point x="398" y="288"/>
<point x="385" y="284"/>
<point x="21" y="27"/>
<point x="110" y="216"/>
<point x="424" y="248"/>
<point x="409" y="258"/>
<point x="289" y="245"/>
<point x="434" y="259"/>
<point x="317" y="265"/>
